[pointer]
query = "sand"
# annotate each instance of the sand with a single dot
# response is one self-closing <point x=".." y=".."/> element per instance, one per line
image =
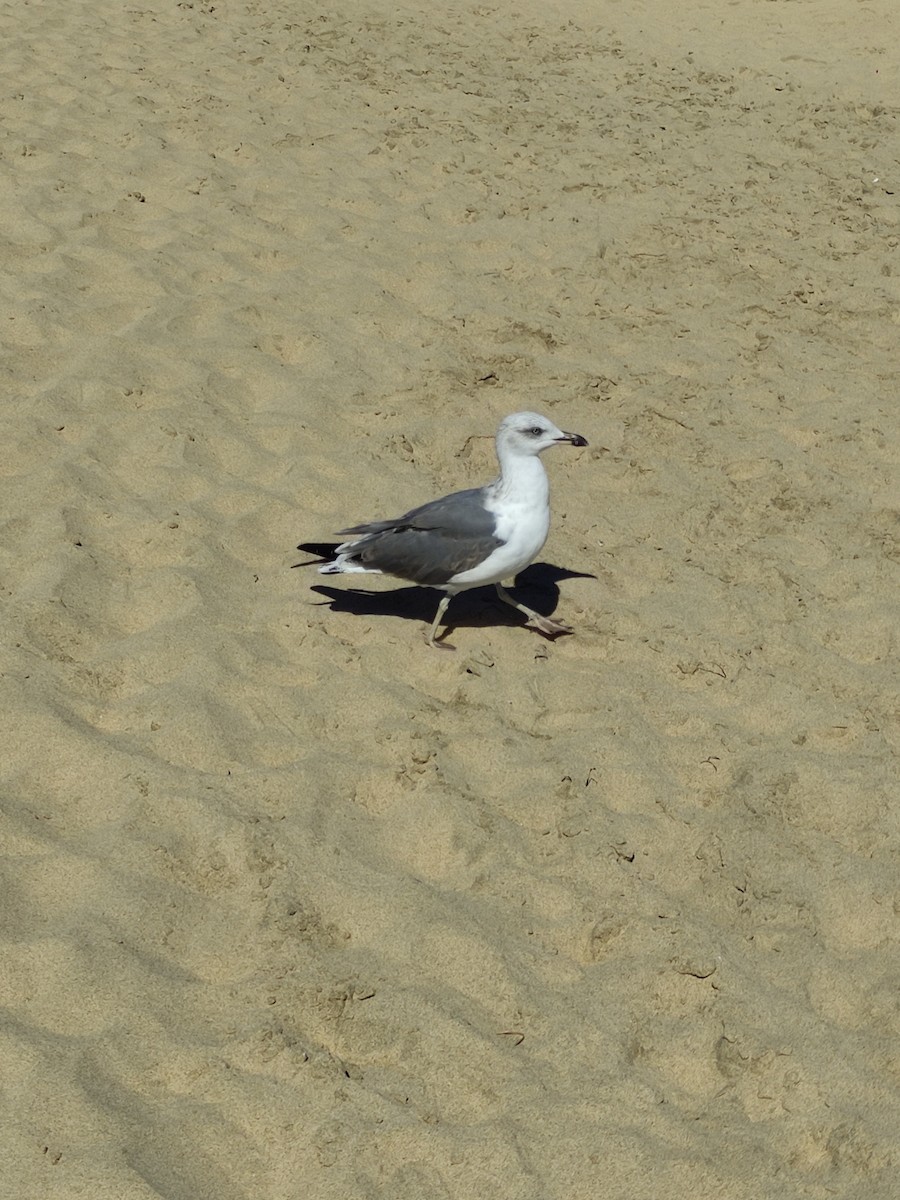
<point x="296" y="908"/>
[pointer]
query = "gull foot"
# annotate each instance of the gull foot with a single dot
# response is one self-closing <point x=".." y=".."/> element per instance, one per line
<point x="439" y="644"/>
<point x="548" y="625"/>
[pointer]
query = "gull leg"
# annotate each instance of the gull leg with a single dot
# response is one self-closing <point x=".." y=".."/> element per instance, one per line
<point x="439" y="616"/>
<point x="544" y="624"/>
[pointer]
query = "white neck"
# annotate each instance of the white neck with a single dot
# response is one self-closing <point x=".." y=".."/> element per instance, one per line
<point x="522" y="478"/>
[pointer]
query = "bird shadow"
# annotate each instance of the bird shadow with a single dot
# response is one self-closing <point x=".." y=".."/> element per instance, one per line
<point x="536" y="586"/>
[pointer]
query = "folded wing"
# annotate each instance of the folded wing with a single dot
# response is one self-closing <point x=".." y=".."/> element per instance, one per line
<point x="430" y="544"/>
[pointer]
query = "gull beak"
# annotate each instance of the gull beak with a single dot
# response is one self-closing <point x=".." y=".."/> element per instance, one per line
<point x="575" y="438"/>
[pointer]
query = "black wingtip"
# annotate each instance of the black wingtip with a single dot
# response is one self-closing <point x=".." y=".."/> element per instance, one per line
<point x="324" y="552"/>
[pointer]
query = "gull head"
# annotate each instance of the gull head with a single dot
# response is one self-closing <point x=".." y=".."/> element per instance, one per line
<point x="528" y="433"/>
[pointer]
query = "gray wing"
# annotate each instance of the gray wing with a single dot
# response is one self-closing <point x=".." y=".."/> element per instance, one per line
<point x="432" y="543"/>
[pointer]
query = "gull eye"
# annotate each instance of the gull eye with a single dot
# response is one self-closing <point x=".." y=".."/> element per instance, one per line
<point x="535" y="431"/>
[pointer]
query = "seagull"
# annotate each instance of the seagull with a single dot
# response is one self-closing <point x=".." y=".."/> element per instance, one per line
<point x="471" y="538"/>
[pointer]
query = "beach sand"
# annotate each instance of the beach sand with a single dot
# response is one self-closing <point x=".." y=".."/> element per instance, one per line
<point x="294" y="907"/>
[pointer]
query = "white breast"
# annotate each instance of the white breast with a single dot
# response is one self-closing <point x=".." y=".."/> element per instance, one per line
<point x="523" y="527"/>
